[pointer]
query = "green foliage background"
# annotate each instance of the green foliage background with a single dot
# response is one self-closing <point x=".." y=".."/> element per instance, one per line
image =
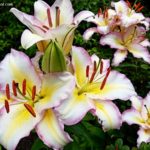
<point x="88" y="134"/>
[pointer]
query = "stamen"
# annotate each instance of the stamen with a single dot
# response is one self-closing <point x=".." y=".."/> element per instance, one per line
<point x="7" y="106"/>
<point x="128" y="3"/>
<point x="30" y="109"/>
<point x="24" y="87"/>
<point x="33" y="92"/>
<point x="140" y="9"/>
<point x="40" y="28"/>
<point x="99" y="12"/>
<point x="57" y="16"/>
<point x="101" y="67"/>
<point x="106" y="13"/>
<point x="137" y="5"/>
<point x="47" y="28"/>
<point x="87" y="71"/>
<point x="147" y="110"/>
<point x="105" y="79"/>
<point x="94" y="72"/>
<point x="7" y="91"/>
<point x="14" y="88"/>
<point x="49" y="18"/>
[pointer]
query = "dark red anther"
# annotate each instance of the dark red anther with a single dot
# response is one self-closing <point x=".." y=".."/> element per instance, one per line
<point x="7" y="91"/>
<point x="30" y="109"/>
<point x="106" y="13"/>
<point x="136" y="6"/>
<point x="57" y="16"/>
<point x="14" y="88"/>
<point x="101" y="67"/>
<point x="24" y="87"/>
<point x="105" y="79"/>
<point x="40" y="28"/>
<point x="139" y="9"/>
<point x="94" y="72"/>
<point x="47" y="28"/>
<point x="49" y="18"/>
<point x="33" y="92"/>
<point x="87" y="71"/>
<point x="128" y="3"/>
<point x="7" y="106"/>
<point x="99" y="12"/>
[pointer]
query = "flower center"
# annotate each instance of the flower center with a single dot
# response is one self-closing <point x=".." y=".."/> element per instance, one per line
<point x="98" y="76"/>
<point x="25" y="96"/>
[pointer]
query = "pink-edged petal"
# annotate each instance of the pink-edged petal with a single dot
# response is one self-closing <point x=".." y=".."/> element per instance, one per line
<point x="103" y="29"/>
<point x="137" y="102"/>
<point x="66" y="11"/>
<point x="144" y="136"/>
<point x="80" y="60"/>
<point x="28" y="39"/>
<point x="117" y="86"/>
<point x="132" y="116"/>
<point x="56" y="87"/>
<point x="17" y="66"/>
<point x="89" y="32"/>
<point x="15" y="125"/>
<point x="145" y="43"/>
<point x="72" y="110"/>
<point x="40" y="10"/>
<point x="51" y="131"/>
<point x="30" y="21"/>
<point x="119" y="57"/>
<point x="114" y="40"/>
<point x="84" y="15"/>
<point x="120" y="7"/>
<point x="108" y="114"/>
<point x="139" y="51"/>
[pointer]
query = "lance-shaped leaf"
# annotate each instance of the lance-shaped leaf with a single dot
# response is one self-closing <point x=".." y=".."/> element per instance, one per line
<point x="53" y="58"/>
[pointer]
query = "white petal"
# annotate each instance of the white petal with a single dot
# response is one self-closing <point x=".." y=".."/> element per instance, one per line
<point x="15" y="125"/>
<point x="119" y="57"/>
<point x="28" y="39"/>
<point x="139" y="51"/>
<point x="108" y="113"/>
<point x="72" y="110"/>
<point x="144" y="136"/>
<point x="83" y="15"/>
<point x="89" y="32"/>
<point x="137" y="102"/>
<point x="51" y="131"/>
<point x="114" y="40"/>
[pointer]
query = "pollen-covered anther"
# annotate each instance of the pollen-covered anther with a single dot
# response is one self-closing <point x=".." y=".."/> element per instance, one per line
<point x="138" y="7"/>
<point x="87" y="71"/>
<point x="33" y="92"/>
<point x="14" y="88"/>
<point x="57" y="16"/>
<point x="7" y="90"/>
<point x="45" y="27"/>
<point x="105" y="79"/>
<point x="106" y="13"/>
<point x="94" y="72"/>
<point x="40" y="28"/>
<point x="30" y="109"/>
<point x="138" y="10"/>
<point x="101" y="67"/>
<point x="24" y="87"/>
<point x="7" y="106"/>
<point x="49" y="18"/>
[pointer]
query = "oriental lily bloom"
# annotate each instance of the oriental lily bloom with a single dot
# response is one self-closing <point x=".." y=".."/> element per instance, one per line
<point x="139" y="114"/>
<point x="131" y="39"/>
<point x="127" y="15"/>
<point x="96" y="86"/>
<point x="105" y="21"/>
<point x="55" y="22"/>
<point x="27" y="99"/>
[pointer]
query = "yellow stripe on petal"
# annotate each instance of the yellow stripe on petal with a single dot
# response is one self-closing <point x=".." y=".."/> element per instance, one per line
<point x="50" y="130"/>
<point x="15" y="125"/>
